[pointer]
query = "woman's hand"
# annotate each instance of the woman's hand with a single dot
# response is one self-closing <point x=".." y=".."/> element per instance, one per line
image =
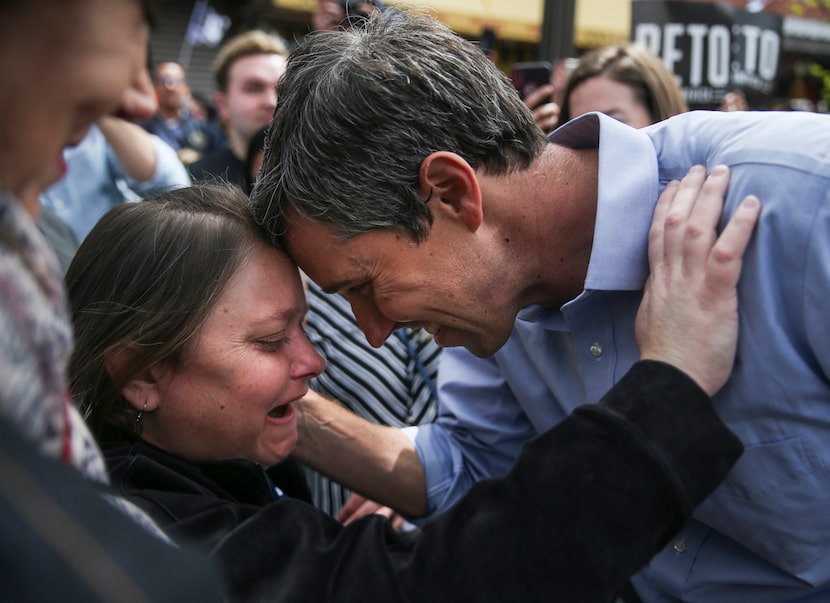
<point x="358" y="506"/>
<point x="689" y="313"/>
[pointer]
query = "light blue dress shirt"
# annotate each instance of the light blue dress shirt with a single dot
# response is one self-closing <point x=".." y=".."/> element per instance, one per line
<point x="765" y="533"/>
<point x="95" y="182"/>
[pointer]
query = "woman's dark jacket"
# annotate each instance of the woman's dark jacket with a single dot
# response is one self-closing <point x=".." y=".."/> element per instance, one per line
<point x="587" y="504"/>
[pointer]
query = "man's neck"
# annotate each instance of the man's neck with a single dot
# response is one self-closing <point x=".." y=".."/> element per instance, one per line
<point x="556" y="224"/>
<point x="170" y="113"/>
<point x="238" y="144"/>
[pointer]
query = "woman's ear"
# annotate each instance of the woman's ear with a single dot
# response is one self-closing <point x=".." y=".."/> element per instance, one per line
<point x="142" y="391"/>
<point x="449" y="181"/>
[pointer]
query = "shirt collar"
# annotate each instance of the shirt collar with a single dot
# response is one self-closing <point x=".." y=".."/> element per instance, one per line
<point x="627" y="193"/>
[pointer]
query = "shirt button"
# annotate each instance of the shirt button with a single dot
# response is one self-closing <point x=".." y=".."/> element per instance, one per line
<point x="680" y="545"/>
<point x="596" y="350"/>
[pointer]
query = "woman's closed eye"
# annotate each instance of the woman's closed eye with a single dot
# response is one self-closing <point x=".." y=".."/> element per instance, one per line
<point x="274" y="344"/>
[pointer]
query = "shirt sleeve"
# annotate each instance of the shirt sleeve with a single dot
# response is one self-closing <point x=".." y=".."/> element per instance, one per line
<point x="478" y="433"/>
<point x="170" y="172"/>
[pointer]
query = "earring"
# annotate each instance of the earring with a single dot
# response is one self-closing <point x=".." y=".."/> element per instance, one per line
<point x="137" y="424"/>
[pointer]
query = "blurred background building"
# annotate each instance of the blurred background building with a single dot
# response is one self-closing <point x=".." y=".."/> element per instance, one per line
<point x="188" y="31"/>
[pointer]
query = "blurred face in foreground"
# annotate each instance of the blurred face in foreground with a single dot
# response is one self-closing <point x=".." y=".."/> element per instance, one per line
<point x="230" y="395"/>
<point x="91" y="63"/>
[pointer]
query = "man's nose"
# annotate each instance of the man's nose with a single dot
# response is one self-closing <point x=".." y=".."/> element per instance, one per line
<point x="374" y="325"/>
<point x="271" y="98"/>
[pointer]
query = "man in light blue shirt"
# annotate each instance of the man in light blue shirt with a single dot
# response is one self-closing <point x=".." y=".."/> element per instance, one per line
<point x="765" y="534"/>
<point x="444" y="211"/>
<point x="116" y="162"/>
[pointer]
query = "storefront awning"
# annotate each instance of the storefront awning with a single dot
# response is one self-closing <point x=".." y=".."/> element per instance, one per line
<point x="601" y="22"/>
<point x="598" y="22"/>
<point x="519" y="20"/>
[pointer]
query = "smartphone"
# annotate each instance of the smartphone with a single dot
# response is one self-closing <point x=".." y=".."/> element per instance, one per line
<point x="527" y="77"/>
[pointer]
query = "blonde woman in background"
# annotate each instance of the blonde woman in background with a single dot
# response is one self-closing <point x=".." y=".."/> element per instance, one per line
<point x="626" y="81"/>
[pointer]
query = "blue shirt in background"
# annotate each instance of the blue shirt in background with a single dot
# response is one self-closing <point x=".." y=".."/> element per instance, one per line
<point x="95" y="181"/>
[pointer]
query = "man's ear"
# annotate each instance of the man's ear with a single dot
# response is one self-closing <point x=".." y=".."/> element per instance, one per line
<point x="450" y="182"/>
<point x="142" y="391"/>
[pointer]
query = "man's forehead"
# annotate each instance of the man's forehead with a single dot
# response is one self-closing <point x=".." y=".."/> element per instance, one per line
<point x="296" y="225"/>
<point x="316" y="247"/>
<point x="260" y="64"/>
<point x="303" y="237"/>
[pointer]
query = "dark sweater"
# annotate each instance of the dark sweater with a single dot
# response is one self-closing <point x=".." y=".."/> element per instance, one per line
<point x="587" y="504"/>
<point x="219" y="165"/>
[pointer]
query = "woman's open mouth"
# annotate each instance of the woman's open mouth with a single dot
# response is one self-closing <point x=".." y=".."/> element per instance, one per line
<point x="279" y="411"/>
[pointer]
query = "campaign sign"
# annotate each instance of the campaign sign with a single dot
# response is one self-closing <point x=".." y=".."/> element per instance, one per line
<point x="711" y="48"/>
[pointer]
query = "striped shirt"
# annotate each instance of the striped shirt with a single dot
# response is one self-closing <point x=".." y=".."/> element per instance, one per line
<point x="391" y="385"/>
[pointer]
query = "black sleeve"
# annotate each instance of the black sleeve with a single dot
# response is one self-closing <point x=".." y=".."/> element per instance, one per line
<point x="587" y="504"/>
<point x="63" y="541"/>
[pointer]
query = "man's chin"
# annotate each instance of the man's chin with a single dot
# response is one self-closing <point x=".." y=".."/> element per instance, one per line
<point x="482" y="348"/>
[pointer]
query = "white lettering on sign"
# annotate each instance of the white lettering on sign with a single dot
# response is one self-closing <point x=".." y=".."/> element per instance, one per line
<point x="709" y="49"/>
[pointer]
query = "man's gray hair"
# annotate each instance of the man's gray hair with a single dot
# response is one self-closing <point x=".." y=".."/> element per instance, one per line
<point x="358" y="112"/>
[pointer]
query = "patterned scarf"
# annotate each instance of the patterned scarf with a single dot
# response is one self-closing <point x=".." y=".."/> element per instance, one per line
<point x="35" y="344"/>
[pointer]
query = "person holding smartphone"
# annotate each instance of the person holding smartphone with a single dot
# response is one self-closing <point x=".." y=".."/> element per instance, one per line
<point x="535" y="83"/>
<point x="625" y="81"/>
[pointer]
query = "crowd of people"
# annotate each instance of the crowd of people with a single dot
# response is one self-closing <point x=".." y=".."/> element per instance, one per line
<point x="456" y="345"/>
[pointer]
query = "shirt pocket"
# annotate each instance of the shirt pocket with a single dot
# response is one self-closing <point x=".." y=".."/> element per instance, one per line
<point x="775" y="502"/>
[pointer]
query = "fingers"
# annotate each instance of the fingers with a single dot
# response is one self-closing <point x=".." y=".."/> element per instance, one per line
<point x="350" y="507"/>
<point x="703" y="214"/>
<point x="357" y="506"/>
<point x="695" y="210"/>
<point x="689" y="313"/>
<point x="367" y="508"/>
<point x="397" y="522"/>
<point x="394" y="519"/>
<point x="726" y="256"/>
<point x="686" y="216"/>
<point x="547" y="117"/>
<point x="545" y="111"/>
<point x="541" y="95"/>
<point x="656" y="247"/>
